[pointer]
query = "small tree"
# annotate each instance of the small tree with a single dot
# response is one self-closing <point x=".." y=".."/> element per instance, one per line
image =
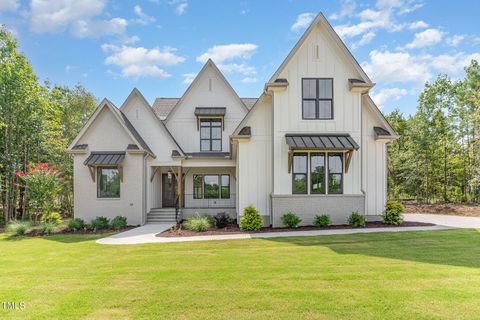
<point x="42" y="184"/>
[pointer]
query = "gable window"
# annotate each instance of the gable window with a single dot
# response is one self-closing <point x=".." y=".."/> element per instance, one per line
<point x="210" y="135"/>
<point x="322" y="173"/>
<point x="299" y="173"/>
<point x="108" y="182"/>
<point x="211" y="186"/>
<point x="317" y="98"/>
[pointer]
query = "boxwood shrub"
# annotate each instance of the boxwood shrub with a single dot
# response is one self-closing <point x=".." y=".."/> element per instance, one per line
<point x="100" y="223"/>
<point x="356" y="220"/>
<point x="291" y="220"/>
<point x="393" y="212"/>
<point x="322" y="220"/>
<point x="118" y="222"/>
<point x="251" y="219"/>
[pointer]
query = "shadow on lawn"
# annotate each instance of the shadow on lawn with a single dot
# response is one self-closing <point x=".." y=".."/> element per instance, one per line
<point x="459" y="247"/>
<point x="63" y="238"/>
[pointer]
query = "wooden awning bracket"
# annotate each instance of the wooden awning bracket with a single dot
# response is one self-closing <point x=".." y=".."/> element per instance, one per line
<point x="348" y="159"/>
<point x="290" y="160"/>
<point x="91" y="169"/>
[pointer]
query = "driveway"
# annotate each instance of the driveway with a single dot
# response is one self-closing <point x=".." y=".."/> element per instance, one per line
<point x="444" y="220"/>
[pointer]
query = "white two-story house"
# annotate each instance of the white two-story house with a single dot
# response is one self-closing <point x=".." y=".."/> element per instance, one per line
<point x="314" y="142"/>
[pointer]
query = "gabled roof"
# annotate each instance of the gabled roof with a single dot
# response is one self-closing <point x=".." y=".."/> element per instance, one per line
<point x="122" y="119"/>
<point x="136" y="92"/>
<point x="162" y="106"/>
<point x="320" y="19"/>
<point x="211" y="64"/>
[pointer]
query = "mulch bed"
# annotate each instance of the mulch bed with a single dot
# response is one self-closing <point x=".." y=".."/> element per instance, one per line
<point x="179" y="231"/>
<point x="38" y="232"/>
<point x="448" y="208"/>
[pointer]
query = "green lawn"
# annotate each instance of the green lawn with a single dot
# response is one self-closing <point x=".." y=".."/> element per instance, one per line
<point x="408" y="275"/>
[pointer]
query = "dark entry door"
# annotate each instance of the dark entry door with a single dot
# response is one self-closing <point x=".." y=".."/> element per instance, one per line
<point x="169" y="190"/>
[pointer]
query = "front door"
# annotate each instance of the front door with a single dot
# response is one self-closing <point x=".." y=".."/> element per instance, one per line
<point x="169" y="190"/>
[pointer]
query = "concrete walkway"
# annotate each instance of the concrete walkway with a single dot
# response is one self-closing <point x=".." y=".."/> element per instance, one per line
<point x="444" y="220"/>
<point x="146" y="234"/>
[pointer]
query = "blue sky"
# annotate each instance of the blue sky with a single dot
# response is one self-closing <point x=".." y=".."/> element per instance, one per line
<point x="158" y="46"/>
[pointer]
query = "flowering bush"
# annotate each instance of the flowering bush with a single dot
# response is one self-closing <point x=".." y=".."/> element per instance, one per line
<point x="42" y="184"/>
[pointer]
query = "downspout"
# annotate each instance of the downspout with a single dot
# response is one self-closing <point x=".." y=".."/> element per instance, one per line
<point x="361" y="157"/>
<point x="272" y="155"/>
<point x="145" y="190"/>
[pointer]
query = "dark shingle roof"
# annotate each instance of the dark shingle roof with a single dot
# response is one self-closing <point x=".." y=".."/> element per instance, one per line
<point x="356" y="81"/>
<point x="246" y="131"/>
<point x="176" y="153"/>
<point x="379" y="131"/>
<point x="80" y="147"/>
<point x="105" y="158"/>
<point x="321" y="141"/>
<point x="132" y="147"/>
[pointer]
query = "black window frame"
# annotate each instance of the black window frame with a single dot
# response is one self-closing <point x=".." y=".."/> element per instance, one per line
<point x="210" y="139"/>
<point x="99" y="181"/>
<point x="342" y="173"/>
<point x="311" y="155"/>
<point x="220" y="185"/>
<point x="294" y="174"/>
<point x="317" y="99"/>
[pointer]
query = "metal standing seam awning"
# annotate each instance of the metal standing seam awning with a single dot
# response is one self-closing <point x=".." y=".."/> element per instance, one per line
<point x="105" y="158"/>
<point x="203" y="112"/>
<point x="321" y="141"/>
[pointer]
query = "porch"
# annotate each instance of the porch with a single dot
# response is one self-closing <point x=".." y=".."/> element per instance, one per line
<point x="178" y="192"/>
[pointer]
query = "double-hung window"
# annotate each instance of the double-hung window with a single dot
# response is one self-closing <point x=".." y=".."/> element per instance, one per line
<point x="210" y="135"/>
<point x="108" y="182"/>
<point x="317" y="173"/>
<point x="317" y="98"/>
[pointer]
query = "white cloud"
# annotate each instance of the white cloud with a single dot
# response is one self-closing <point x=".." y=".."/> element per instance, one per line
<point x="383" y="16"/>
<point x="96" y="29"/>
<point x="179" y="5"/>
<point x="348" y="8"/>
<point x="76" y="16"/>
<point x="143" y="18"/>
<point x="366" y="39"/>
<point x="418" y="25"/>
<point x="249" y="80"/>
<point x="388" y="94"/>
<point x="235" y="54"/>
<point x="139" y="61"/>
<point x="391" y="67"/>
<point x="9" y="5"/>
<point x="237" y="68"/>
<point x="455" y="40"/>
<point x="426" y="38"/>
<point x="302" y="22"/>
<point x="403" y="67"/>
<point x="221" y="53"/>
<point x="188" y="78"/>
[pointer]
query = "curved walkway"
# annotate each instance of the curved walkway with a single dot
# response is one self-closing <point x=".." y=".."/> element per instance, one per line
<point x="146" y="234"/>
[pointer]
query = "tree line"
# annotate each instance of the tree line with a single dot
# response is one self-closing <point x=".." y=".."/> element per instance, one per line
<point x="437" y="158"/>
<point x="37" y="122"/>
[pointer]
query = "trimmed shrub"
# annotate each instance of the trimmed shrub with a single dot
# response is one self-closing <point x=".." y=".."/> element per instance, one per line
<point x="19" y="228"/>
<point x="393" y="213"/>
<point x="322" y="220"/>
<point x="251" y="219"/>
<point x="197" y="223"/>
<point x="100" y="223"/>
<point x="291" y="220"/>
<point x="76" y="224"/>
<point x="53" y="217"/>
<point x="119" y="222"/>
<point x="47" y="227"/>
<point x="356" y="220"/>
<point x="222" y="220"/>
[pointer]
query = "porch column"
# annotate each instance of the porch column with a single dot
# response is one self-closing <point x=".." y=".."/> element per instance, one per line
<point x="180" y="186"/>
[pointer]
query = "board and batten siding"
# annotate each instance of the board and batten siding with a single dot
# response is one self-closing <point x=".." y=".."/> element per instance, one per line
<point x="106" y="134"/>
<point x="330" y="63"/>
<point x="254" y="161"/>
<point x="375" y="165"/>
<point x="209" y="90"/>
